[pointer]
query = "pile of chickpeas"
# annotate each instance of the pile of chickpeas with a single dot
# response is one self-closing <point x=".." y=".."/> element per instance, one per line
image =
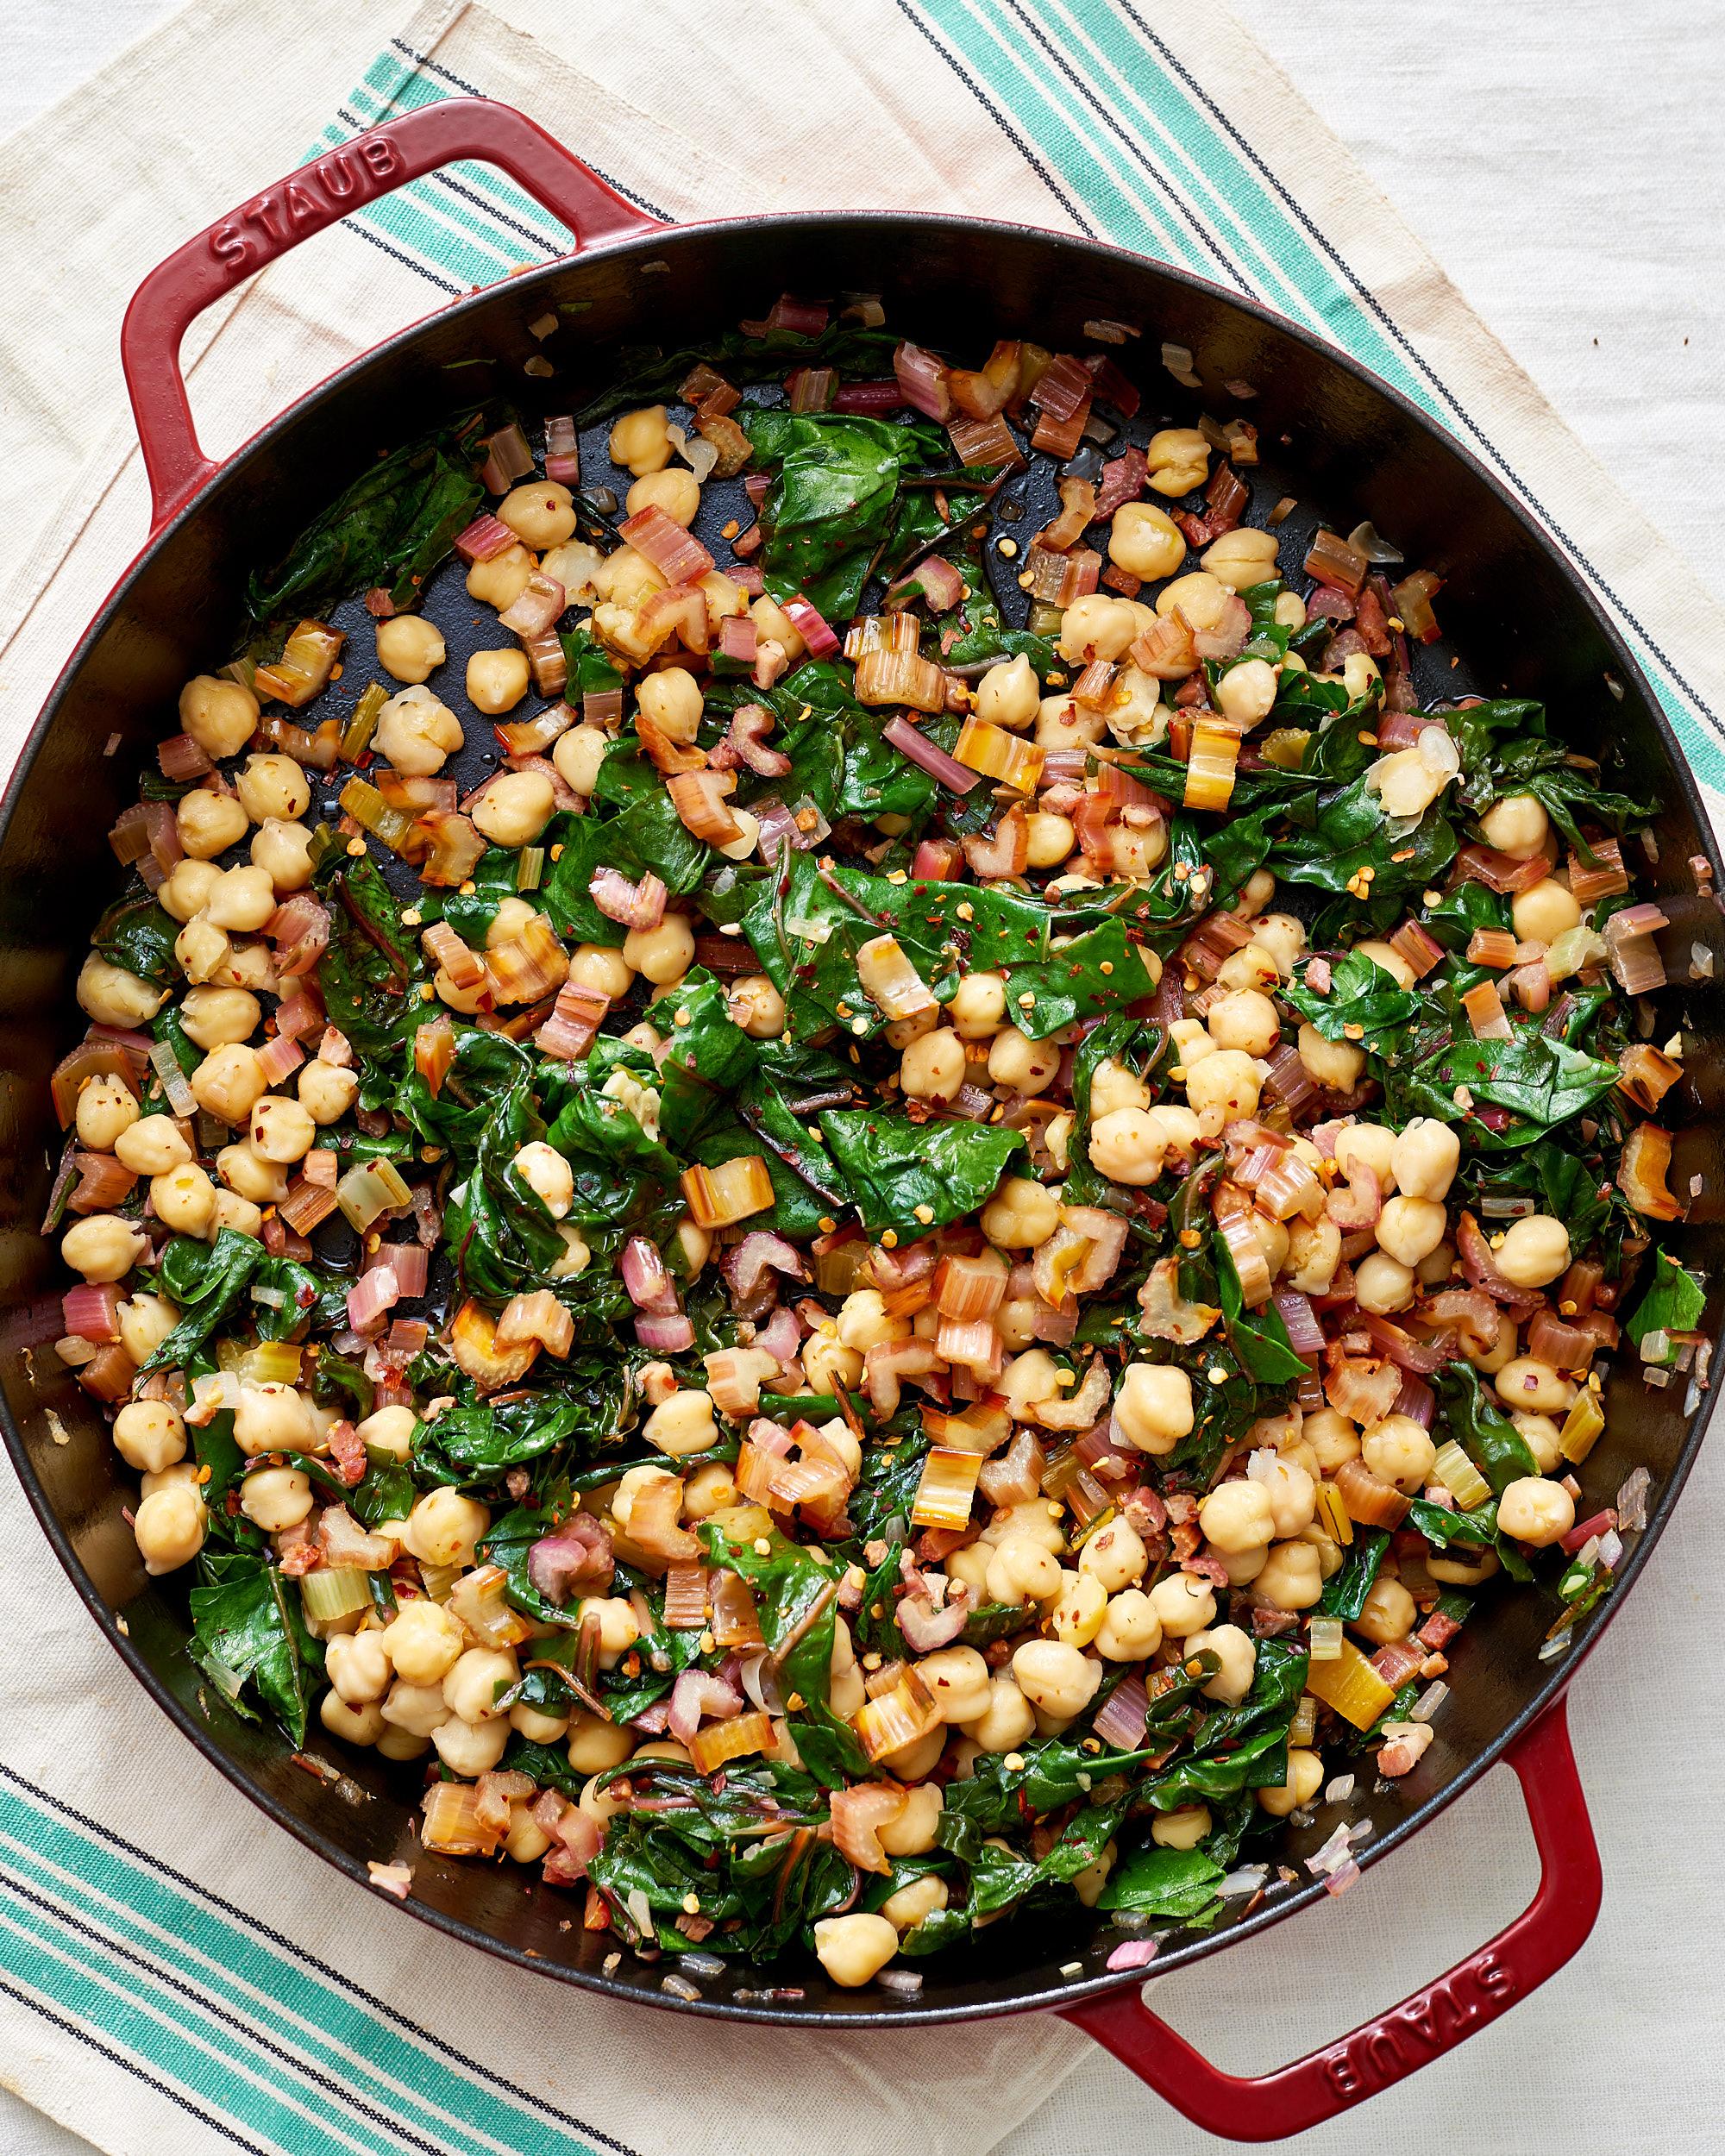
<point x="423" y="1681"/>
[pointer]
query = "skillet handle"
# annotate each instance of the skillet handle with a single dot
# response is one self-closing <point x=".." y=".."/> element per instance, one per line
<point x="1397" y="2043"/>
<point x="320" y="194"/>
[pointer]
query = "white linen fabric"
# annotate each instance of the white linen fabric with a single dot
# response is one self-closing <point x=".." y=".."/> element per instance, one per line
<point x="1514" y="149"/>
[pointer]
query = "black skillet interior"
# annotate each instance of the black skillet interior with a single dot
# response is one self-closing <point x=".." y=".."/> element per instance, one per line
<point x="1338" y="442"/>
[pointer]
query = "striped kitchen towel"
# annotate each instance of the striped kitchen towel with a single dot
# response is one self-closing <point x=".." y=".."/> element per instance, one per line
<point x="176" y="1976"/>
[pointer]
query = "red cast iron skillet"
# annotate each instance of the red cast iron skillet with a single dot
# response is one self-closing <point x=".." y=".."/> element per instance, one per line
<point x="1346" y="444"/>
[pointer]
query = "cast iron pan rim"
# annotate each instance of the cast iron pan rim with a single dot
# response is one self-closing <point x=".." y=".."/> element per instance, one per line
<point x="1056" y="1996"/>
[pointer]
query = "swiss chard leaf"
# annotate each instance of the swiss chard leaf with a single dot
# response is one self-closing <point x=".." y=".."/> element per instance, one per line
<point x="391" y="529"/>
<point x="1345" y="1591"/>
<point x="1505" y="749"/>
<point x="1362" y="994"/>
<point x="135" y="933"/>
<point x="205" y="1280"/>
<point x="1673" y="1303"/>
<point x="371" y="967"/>
<point x="475" y="1442"/>
<point x="1483" y="1432"/>
<point x="1347" y="833"/>
<point x="831" y="504"/>
<point x="247" y="1630"/>
<point x="645" y="835"/>
<point x="911" y="1177"/>
<point x="646" y="374"/>
<point x="1153" y="1881"/>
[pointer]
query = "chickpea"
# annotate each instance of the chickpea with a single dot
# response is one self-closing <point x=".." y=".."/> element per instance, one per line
<point x="416" y="731"/>
<point x="470" y="1748"/>
<point x="1383" y="1285"/>
<point x="1056" y="1677"/>
<point x="1245" y="1020"/>
<point x="219" y="1017"/>
<point x="958" y="1681"/>
<point x="201" y="949"/>
<point x="169" y="1527"/>
<point x="1153" y="1407"/>
<point x="540" y="513"/>
<point x="207" y="824"/>
<point x="1425" y="1159"/>
<point x="932" y="1068"/>
<point x="639" y="441"/>
<point x="272" y="785"/>
<point x="1303" y="1780"/>
<point x="1201" y="600"/>
<point x="1527" y="1384"/>
<point x="1293" y="1575"/>
<point x="602" y="967"/>
<point x="239" y="1213"/>
<point x="1182" y="1829"/>
<point x="578" y="755"/>
<point x="1335" y="1065"/>
<point x="1031" y="1521"/>
<point x="1062" y="724"/>
<point x="1398" y="1451"/>
<point x="1242" y="1566"/>
<point x="1410" y="1229"/>
<point x="409" y="647"/>
<point x="1541" y="1435"/>
<point x="1126" y="1145"/>
<point x="1079" y="1609"/>
<point x="185" y="1198"/>
<point x="1049" y="840"/>
<point x="1406" y="783"/>
<point x="1501" y="1351"/>
<point x="359" y="1668"/>
<point x="146" y="1321"/>
<point x="538" y="1728"/>
<point x="1238" y="1516"/>
<point x="1332" y="1436"/>
<point x="496" y="681"/>
<point x="1246" y="692"/>
<point x="327" y="1090"/>
<point x="682" y="1425"/>
<point x="1237" y="1652"/>
<point x="1009" y="695"/>
<point x="102" y="1247"/>
<point x="1222" y="1088"/>
<point x="250" y="965"/>
<point x="1021" y="1216"/>
<point x="182" y="894"/>
<point x="1114" y="1087"/>
<point x="1016" y="1061"/>
<point x="416" y="1710"/>
<point x="515" y="808"/>
<point x="1435" y="1268"/>
<point x="275" y="1498"/>
<point x="545" y="1171"/>
<point x="106" y="1107"/>
<point x="1178" y="457"/>
<point x="1183" y="1604"/>
<point x="1144" y="541"/>
<point x="1281" y="938"/>
<point x="1516" y="826"/>
<point x="273" y="1418"/>
<point x="501" y="581"/>
<point x="471" y="1682"/>
<point x="1131" y="1628"/>
<point x="913" y="1904"/>
<point x="443" y="1527"/>
<point x="282" y="1130"/>
<point x="1535" y="1511"/>
<point x="112" y="996"/>
<point x="219" y="716"/>
<point x="595" y="1745"/>
<point x="1022" y="1571"/>
<point x="1369" y="1145"/>
<point x="1114" y="1557"/>
<point x="1388" y="1613"/>
<point x="853" y="1950"/>
<point x="1242" y="558"/>
<point x="1009" y="1718"/>
<point x="149" y="1435"/>
<point x="282" y="851"/>
<point x="228" y="1082"/>
<point x="662" y="954"/>
<point x="1095" y="628"/>
<point x="152" y="1146"/>
<point x="1535" y="1251"/>
<point x="1541" y="915"/>
<point x="673" y="490"/>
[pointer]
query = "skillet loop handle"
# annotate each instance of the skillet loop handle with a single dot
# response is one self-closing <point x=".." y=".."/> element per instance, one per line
<point x="1547" y="1935"/>
<point x="320" y="194"/>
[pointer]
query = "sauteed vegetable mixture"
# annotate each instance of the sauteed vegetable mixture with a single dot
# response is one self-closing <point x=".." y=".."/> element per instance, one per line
<point x="910" y="1254"/>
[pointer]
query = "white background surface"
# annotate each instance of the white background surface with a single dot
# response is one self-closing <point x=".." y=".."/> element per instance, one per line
<point x="1561" y="161"/>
